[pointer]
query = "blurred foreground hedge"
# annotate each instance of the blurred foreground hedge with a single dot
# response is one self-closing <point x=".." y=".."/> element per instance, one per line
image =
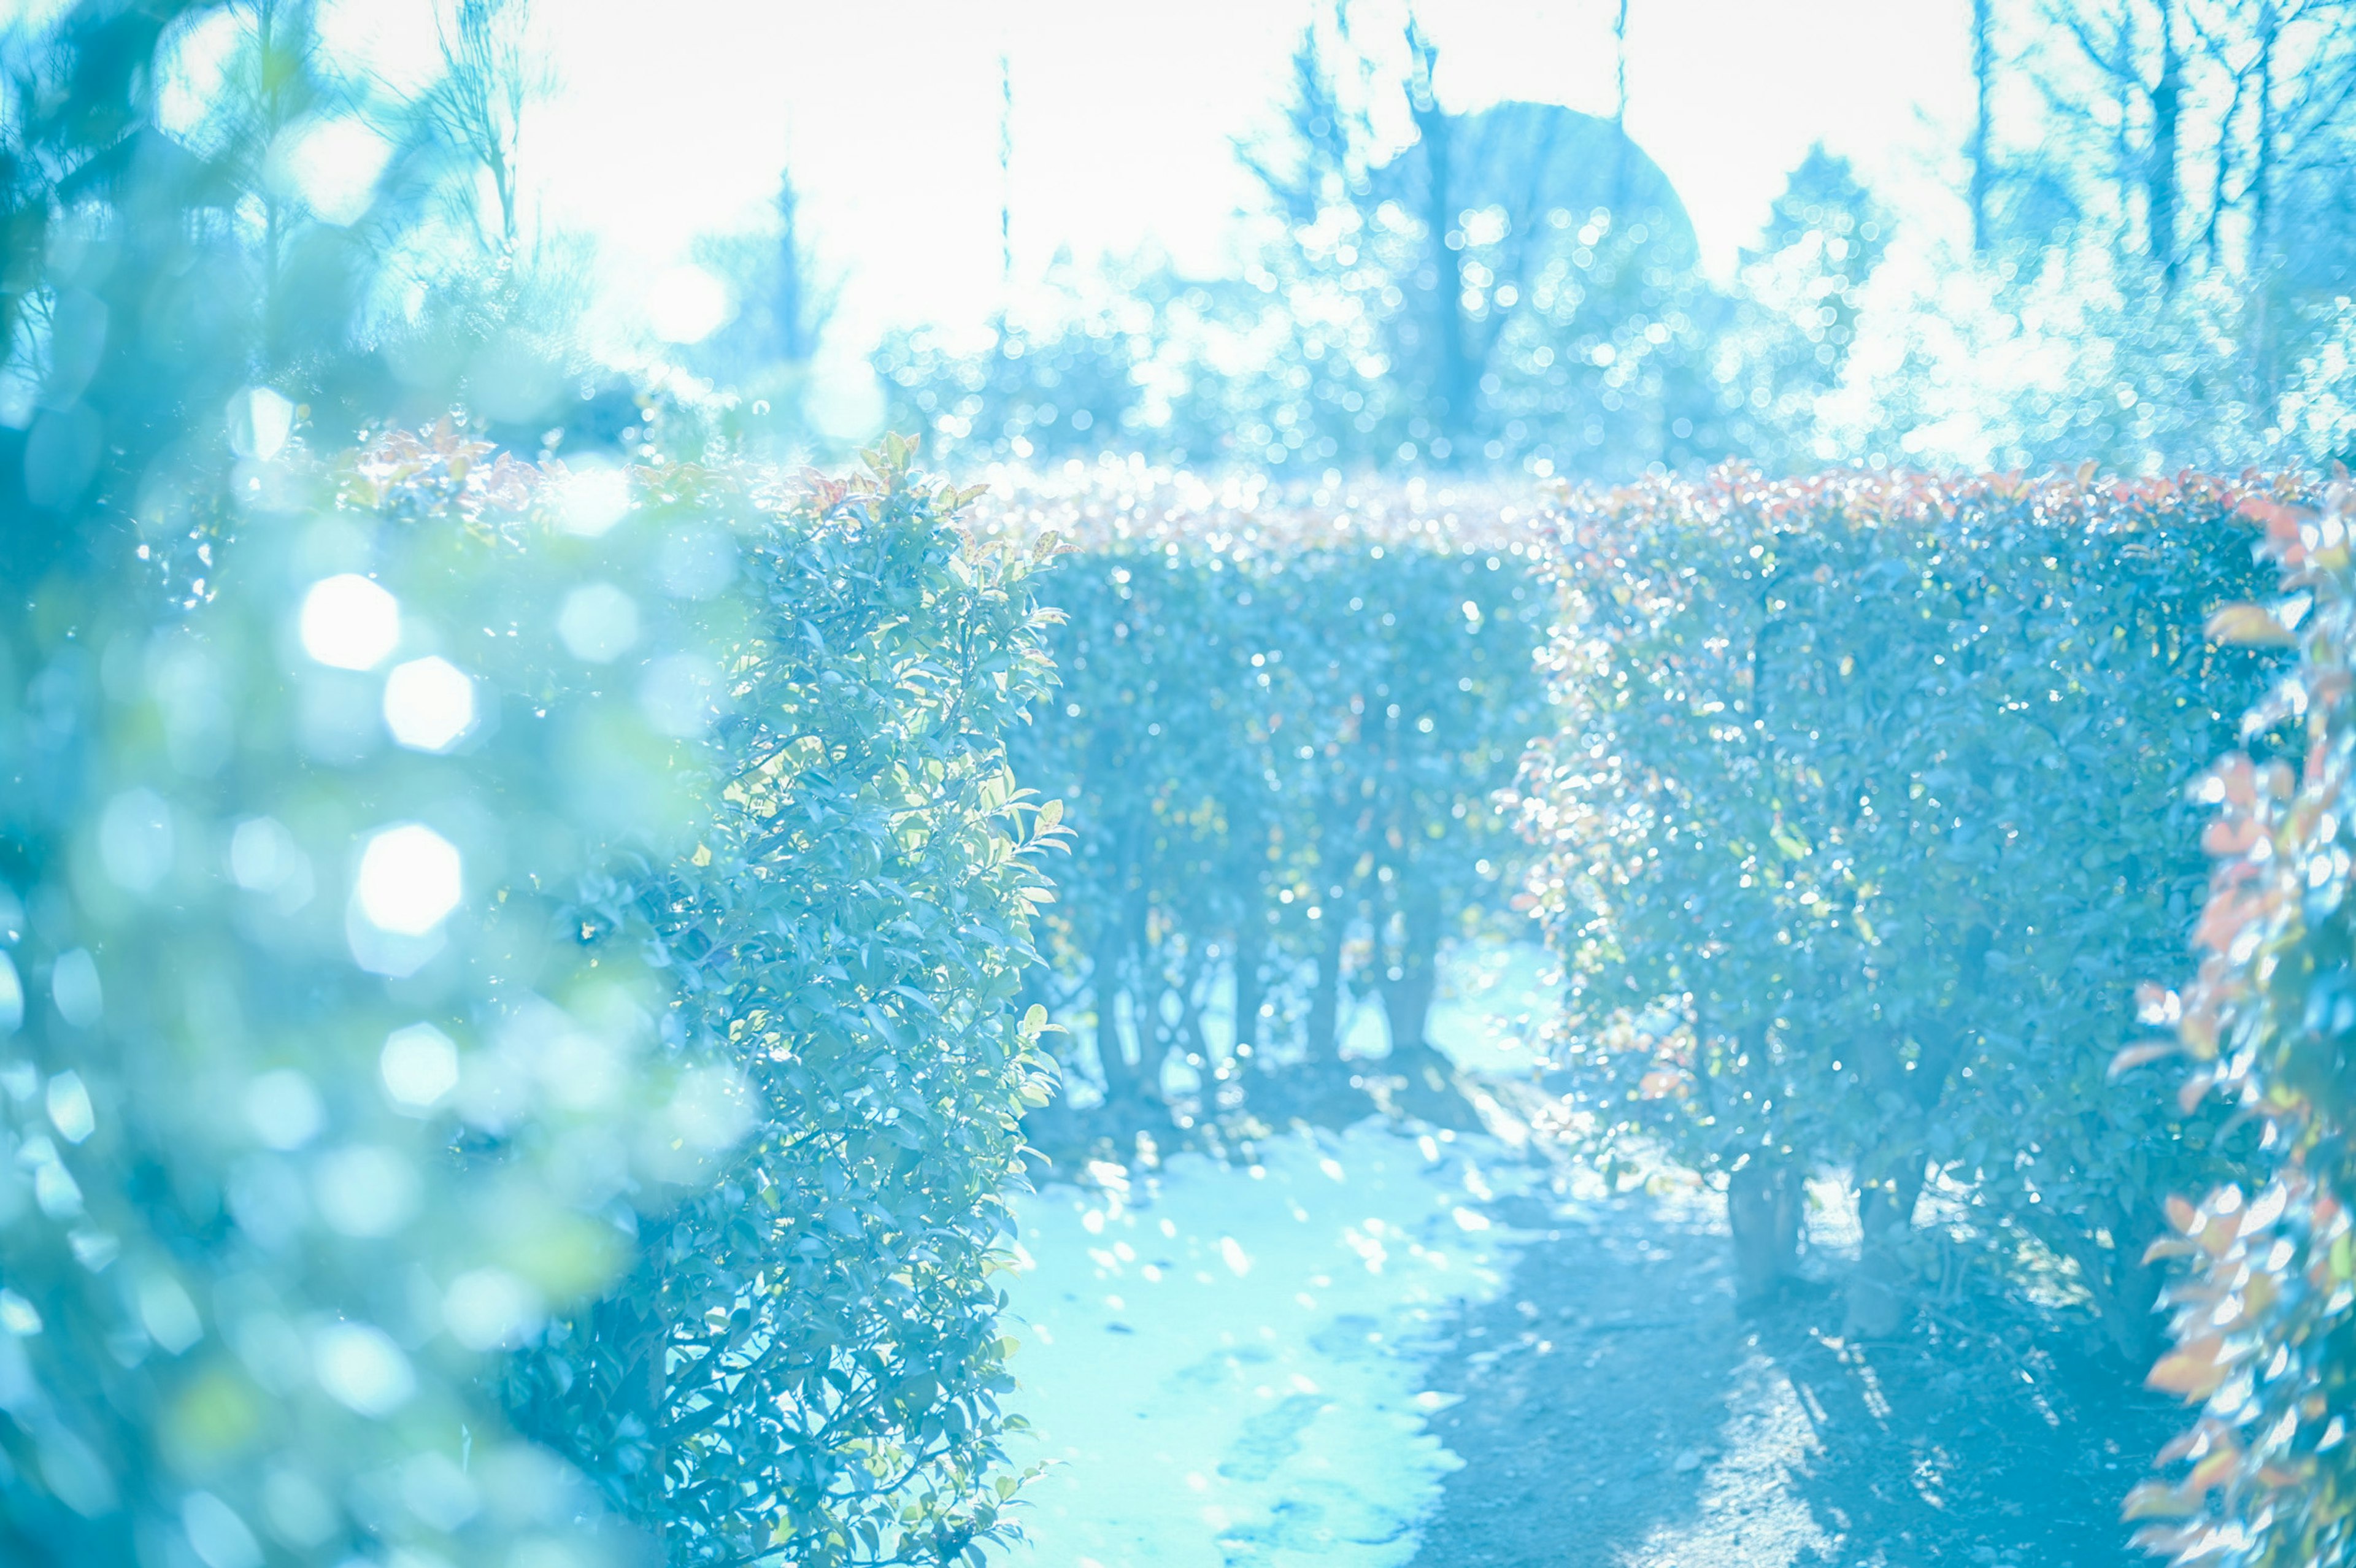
<point x="2265" y="1314"/>
<point x="507" y="1050"/>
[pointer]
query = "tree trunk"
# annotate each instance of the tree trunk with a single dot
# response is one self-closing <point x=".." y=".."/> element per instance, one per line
<point x="1454" y="371"/>
<point x="1325" y="999"/>
<point x="1620" y="110"/>
<point x="2127" y="1306"/>
<point x="2125" y="1288"/>
<point x="1195" y="1044"/>
<point x="1005" y="178"/>
<point x="1251" y="987"/>
<point x="2264" y="333"/>
<point x="1762" y="1211"/>
<point x="2161" y="202"/>
<point x="1429" y="1088"/>
<point x="1147" y="984"/>
<point x="1881" y="1290"/>
<point x="1407" y="1000"/>
<point x="797" y="323"/>
<point x="1890" y="1181"/>
<point x="1984" y="92"/>
<point x="1120" y="1080"/>
<point x="1890" y="1176"/>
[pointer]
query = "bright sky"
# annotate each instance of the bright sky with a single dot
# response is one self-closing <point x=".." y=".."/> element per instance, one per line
<point x="675" y="119"/>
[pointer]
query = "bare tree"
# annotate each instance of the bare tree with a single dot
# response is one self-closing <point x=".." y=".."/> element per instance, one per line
<point x="1005" y="175"/>
<point x="2162" y="172"/>
<point x="277" y="81"/>
<point x="270" y="81"/>
<point x="1322" y="152"/>
<point x="2135" y="51"/>
<point x="797" y="303"/>
<point x="1435" y="130"/>
<point x="1620" y="64"/>
<point x="2288" y="139"/>
<point x="2220" y="137"/>
<point x="1982" y="118"/>
<point x="1620" y="105"/>
<point x="766" y="350"/>
<point x="490" y="75"/>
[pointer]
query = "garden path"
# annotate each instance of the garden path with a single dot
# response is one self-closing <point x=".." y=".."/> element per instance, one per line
<point x="1392" y="1347"/>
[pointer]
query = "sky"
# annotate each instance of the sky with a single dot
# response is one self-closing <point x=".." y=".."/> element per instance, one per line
<point x="670" y="122"/>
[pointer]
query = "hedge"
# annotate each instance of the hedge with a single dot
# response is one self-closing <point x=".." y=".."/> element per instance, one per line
<point x="1281" y="725"/>
<point x="347" y="1082"/>
<point x="1862" y="818"/>
<point x="2264" y="1313"/>
<point x="806" y="1353"/>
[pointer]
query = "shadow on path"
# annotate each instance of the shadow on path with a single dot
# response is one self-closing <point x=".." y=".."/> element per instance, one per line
<point x="1616" y="1412"/>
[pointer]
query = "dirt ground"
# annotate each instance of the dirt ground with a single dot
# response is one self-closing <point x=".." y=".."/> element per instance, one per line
<point x="1616" y="1412"/>
<point x="1613" y="1410"/>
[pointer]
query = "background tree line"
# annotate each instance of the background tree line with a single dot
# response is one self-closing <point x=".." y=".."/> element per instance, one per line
<point x="2149" y="269"/>
<point x="2145" y="265"/>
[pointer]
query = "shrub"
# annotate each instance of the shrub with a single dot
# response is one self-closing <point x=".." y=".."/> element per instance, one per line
<point x="347" y="1083"/>
<point x="1863" y="816"/>
<point x="2265" y="1334"/>
<point x="805" y="1354"/>
<point x="1281" y="727"/>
